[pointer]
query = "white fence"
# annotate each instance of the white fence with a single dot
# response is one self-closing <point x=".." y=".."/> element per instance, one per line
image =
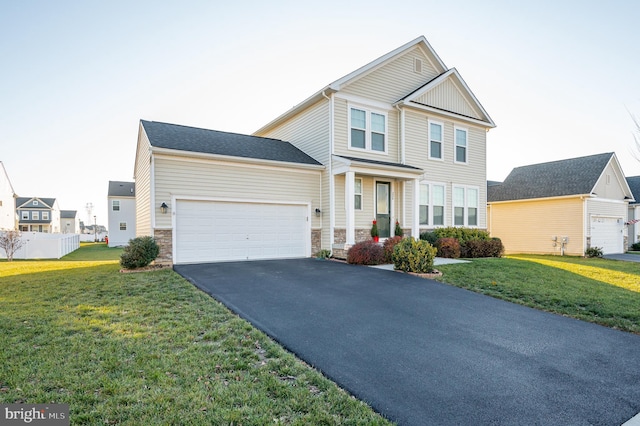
<point x="39" y="245"/>
<point x="89" y="238"/>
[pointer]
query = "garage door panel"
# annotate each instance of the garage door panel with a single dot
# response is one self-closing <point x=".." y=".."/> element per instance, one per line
<point x="607" y="233"/>
<point x="208" y="231"/>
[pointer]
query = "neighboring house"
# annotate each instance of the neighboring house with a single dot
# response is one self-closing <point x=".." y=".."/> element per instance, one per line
<point x="38" y="214"/>
<point x="633" y="224"/>
<point x="7" y="201"/>
<point x="401" y="139"/>
<point x="122" y="213"/>
<point x="69" y="222"/>
<point x="561" y="207"/>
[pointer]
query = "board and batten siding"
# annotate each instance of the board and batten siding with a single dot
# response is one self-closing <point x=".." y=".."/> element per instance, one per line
<point x="143" y="185"/>
<point x="529" y="226"/>
<point x="395" y="79"/>
<point x="201" y="178"/>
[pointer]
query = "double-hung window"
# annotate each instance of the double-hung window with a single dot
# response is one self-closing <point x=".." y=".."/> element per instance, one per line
<point x="123" y="226"/>
<point x="25" y="215"/>
<point x="465" y="206"/>
<point x="461" y="145"/>
<point x="35" y="215"/>
<point x="435" y="140"/>
<point x="45" y="215"/>
<point x="115" y="205"/>
<point x="357" y="190"/>
<point x="368" y="130"/>
<point x="431" y="204"/>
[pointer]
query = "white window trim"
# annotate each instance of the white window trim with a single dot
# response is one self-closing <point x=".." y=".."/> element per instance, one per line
<point x="465" y="207"/>
<point x="45" y="214"/>
<point x="113" y="204"/>
<point x="35" y="215"/>
<point x="441" y="124"/>
<point x="367" y="130"/>
<point x="455" y="145"/>
<point x="358" y="193"/>
<point x="430" y="225"/>
<point x="25" y="215"/>
<point x="120" y="226"/>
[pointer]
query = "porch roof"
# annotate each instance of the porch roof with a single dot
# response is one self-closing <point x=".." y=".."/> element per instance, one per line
<point x="375" y="168"/>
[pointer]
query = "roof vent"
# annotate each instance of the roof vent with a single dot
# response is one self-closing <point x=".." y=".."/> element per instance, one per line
<point x="417" y="65"/>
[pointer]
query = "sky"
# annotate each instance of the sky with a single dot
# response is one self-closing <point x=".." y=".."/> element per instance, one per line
<point x="559" y="78"/>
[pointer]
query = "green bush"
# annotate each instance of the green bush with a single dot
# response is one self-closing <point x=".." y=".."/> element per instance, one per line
<point x="411" y="255"/>
<point x="635" y="246"/>
<point x="388" y="246"/>
<point x="429" y="236"/>
<point x="593" y="252"/>
<point x="398" y="231"/>
<point x="140" y="252"/>
<point x="323" y="254"/>
<point x="461" y="234"/>
<point x="448" y="247"/>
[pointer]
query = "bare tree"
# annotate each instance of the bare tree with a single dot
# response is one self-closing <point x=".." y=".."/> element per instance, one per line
<point x="10" y="242"/>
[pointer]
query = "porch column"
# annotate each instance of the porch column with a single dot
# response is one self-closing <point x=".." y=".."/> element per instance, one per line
<point x="349" y="200"/>
<point x="415" y="222"/>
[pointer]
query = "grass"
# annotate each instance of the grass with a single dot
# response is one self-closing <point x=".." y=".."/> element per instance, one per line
<point x="605" y="292"/>
<point x="148" y="348"/>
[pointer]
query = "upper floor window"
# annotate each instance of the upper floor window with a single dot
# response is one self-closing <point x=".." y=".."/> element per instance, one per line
<point x="25" y="215"/>
<point x="123" y="226"/>
<point x="368" y="130"/>
<point x="35" y="215"/>
<point x="115" y="205"/>
<point x="357" y="202"/>
<point x="465" y="206"/>
<point x="45" y="215"/>
<point x="435" y="140"/>
<point x="461" y="145"/>
<point x="431" y="204"/>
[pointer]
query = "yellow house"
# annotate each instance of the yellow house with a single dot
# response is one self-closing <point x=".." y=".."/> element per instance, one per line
<point x="561" y="207"/>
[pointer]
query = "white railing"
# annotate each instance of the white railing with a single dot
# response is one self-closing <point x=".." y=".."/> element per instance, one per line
<point x="39" y="245"/>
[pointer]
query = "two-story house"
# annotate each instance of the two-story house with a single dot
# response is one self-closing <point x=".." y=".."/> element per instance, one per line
<point x="401" y="139"/>
<point x="69" y="222"/>
<point x="37" y="214"/>
<point x="7" y="201"/>
<point x="121" y="198"/>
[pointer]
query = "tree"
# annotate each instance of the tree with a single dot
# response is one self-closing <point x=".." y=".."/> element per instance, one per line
<point x="10" y="242"/>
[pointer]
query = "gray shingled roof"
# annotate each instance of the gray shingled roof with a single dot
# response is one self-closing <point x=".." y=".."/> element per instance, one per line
<point x="68" y="214"/>
<point x="192" y="139"/>
<point x="634" y="184"/>
<point x="382" y="163"/>
<point x="121" y="189"/>
<point x="555" y="179"/>
<point x="49" y="201"/>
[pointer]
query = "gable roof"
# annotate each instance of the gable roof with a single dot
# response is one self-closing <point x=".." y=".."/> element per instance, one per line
<point x="193" y="139"/>
<point x="121" y="189"/>
<point x="47" y="202"/>
<point x="360" y="72"/>
<point x="634" y="185"/>
<point x="575" y="176"/>
<point x="68" y="214"/>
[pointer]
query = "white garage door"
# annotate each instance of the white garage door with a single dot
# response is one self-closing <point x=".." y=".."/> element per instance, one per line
<point x="606" y="233"/>
<point x="208" y="231"/>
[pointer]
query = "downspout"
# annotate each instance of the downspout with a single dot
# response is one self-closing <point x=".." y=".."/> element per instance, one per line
<point x="332" y="213"/>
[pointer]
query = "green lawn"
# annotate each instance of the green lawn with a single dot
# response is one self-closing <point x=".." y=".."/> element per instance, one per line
<point x="148" y="348"/>
<point x="602" y="291"/>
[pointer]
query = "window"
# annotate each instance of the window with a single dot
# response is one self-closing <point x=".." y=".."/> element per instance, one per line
<point x="35" y="215"/>
<point x="115" y="205"/>
<point x="45" y="215"/>
<point x="368" y="130"/>
<point x="461" y="145"/>
<point x="357" y="202"/>
<point x="35" y="202"/>
<point x="431" y="204"/>
<point x="123" y="226"/>
<point x="435" y="140"/>
<point x="465" y="206"/>
<point x="25" y="215"/>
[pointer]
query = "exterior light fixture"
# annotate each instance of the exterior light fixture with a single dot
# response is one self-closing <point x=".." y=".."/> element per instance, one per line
<point x="164" y="208"/>
<point x="318" y="212"/>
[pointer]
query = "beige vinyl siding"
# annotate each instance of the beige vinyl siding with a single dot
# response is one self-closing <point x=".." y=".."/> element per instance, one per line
<point x="609" y="185"/>
<point x="395" y="79"/>
<point x="210" y="179"/>
<point x="341" y="128"/>
<point x="143" y="186"/>
<point x="364" y="217"/>
<point x="528" y="226"/>
<point x="447" y="96"/>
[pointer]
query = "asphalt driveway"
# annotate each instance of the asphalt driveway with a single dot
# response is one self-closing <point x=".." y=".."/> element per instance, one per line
<point x="424" y="353"/>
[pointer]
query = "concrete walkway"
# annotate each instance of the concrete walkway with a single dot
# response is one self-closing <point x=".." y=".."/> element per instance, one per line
<point x="437" y="261"/>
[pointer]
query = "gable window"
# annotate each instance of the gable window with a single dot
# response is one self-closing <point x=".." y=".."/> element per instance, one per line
<point x="35" y="215"/>
<point x="45" y="215"/>
<point x="431" y="204"/>
<point x="123" y="226"/>
<point x="35" y="202"/>
<point x="461" y="145"/>
<point x="435" y="140"/>
<point x="465" y="206"/>
<point x="368" y="130"/>
<point x="357" y="202"/>
<point x="115" y="205"/>
<point x="25" y="215"/>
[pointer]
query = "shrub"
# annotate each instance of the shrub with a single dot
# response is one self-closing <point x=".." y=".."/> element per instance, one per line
<point x="398" y="231"/>
<point x="366" y="253"/>
<point x="482" y="248"/>
<point x="411" y="255"/>
<point x="140" y="252"/>
<point x="461" y="234"/>
<point x="429" y="236"/>
<point x="635" y="246"/>
<point x="323" y="254"/>
<point x="593" y="252"/>
<point x="388" y="247"/>
<point x="448" y="247"/>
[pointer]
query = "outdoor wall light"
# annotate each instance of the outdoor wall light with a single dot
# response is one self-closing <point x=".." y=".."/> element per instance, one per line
<point x="318" y="212"/>
<point x="163" y="208"/>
